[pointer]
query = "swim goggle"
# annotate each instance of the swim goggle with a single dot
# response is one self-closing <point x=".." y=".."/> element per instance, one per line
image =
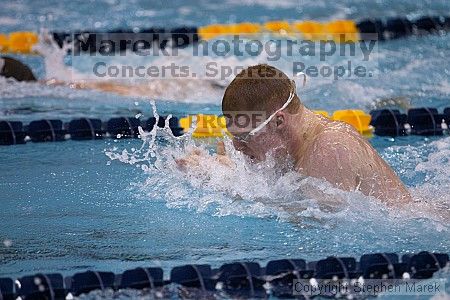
<point x="267" y="121"/>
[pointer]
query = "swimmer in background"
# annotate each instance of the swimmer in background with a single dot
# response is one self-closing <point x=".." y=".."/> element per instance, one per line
<point x="157" y="88"/>
<point x="317" y="146"/>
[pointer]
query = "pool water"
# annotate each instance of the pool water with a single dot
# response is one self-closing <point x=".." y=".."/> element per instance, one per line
<point x="67" y="206"/>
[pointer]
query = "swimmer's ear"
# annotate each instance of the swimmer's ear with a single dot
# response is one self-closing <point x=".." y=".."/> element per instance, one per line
<point x="280" y="120"/>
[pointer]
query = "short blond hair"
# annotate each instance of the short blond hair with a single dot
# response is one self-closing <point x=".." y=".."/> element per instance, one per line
<point x="260" y="88"/>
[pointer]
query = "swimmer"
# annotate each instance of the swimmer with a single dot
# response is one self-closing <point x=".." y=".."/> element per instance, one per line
<point x="317" y="146"/>
<point x="156" y="88"/>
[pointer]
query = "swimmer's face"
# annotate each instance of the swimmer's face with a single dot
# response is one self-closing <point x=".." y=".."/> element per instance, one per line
<point x="257" y="146"/>
<point x="251" y="146"/>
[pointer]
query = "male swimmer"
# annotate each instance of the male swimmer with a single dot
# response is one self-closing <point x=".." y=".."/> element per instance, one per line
<point x="156" y="88"/>
<point x="318" y="147"/>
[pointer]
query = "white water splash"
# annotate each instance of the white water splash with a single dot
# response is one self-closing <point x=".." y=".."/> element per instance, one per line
<point x="435" y="189"/>
<point x="428" y="165"/>
<point x="54" y="56"/>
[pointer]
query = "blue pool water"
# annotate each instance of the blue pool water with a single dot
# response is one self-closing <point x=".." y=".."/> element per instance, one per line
<point x="67" y="207"/>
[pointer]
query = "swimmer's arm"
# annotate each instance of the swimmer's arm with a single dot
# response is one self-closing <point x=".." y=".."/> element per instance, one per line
<point x="103" y="86"/>
<point x="153" y="88"/>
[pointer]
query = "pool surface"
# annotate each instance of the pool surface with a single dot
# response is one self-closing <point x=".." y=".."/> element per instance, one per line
<point x="67" y="206"/>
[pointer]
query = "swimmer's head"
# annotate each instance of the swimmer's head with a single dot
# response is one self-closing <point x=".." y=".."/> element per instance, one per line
<point x="12" y="68"/>
<point x="258" y="105"/>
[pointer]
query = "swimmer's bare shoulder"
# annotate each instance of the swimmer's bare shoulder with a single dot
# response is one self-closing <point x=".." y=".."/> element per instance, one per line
<point x="346" y="159"/>
<point x="328" y="157"/>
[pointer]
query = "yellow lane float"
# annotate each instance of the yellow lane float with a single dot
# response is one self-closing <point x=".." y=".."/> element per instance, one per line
<point x="342" y="31"/>
<point x="310" y="30"/>
<point x="338" y="31"/>
<point x="4" y="42"/>
<point x="208" y="126"/>
<point x="278" y="27"/>
<point x="20" y="42"/>
<point x="355" y="117"/>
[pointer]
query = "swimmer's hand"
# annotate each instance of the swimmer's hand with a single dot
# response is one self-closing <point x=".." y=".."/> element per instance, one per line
<point x="56" y="82"/>
<point x="191" y="160"/>
<point x="196" y="156"/>
<point x="222" y="156"/>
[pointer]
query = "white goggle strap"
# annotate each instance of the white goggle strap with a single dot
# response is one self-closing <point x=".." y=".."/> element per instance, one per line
<point x="261" y="126"/>
<point x="291" y="96"/>
<point x="304" y="77"/>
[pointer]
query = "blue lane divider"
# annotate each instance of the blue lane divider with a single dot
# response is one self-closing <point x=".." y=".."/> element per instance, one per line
<point x="174" y="125"/>
<point x="239" y="279"/>
<point x="141" y="278"/>
<point x="382" y="265"/>
<point x="242" y="280"/>
<point x="7" y="289"/>
<point x="123" y="127"/>
<point x="368" y="260"/>
<point x="424" y="264"/>
<point x="386" y="271"/>
<point x="85" y="129"/>
<point x="284" y="272"/>
<point x="46" y="131"/>
<point x="382" y="29"/>
<point x="280" y="266"/>
<point x="178" y="37"/>
<point x="85" y="282"/>
<point x="430" y="24"/>
<point x="425" y="121"/>
<point x="193" y="276"/>
<point x="447" y="116"/>
<point x="39" y="286"/>
<point x="387" y="122"/>
<point x="394" y="28"/>
<point x="418" y="121"/>
<point x="336" y="267"/>
<point x="11" y="133"/>
<point x="397" y="28"/>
